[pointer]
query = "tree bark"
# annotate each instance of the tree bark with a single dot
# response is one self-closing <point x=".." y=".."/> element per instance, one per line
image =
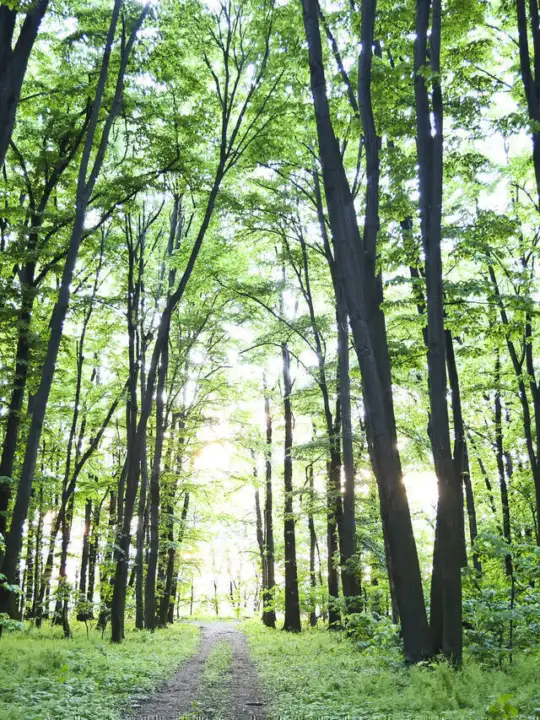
<point x="312" y="548"/>
<point x="292" y="602"/>
<point x="92" y="560"/>
<point x="150" y="610"/>
<point x="530" y="79"/>
<point x="532" y="440"/>
<point x="382" y="436"/>
<point x="350" y="575"/>
<point x="500" y="454"/>
<point x="446" y="600"/>
<point x="82" y="612"/>
<point x="461" y="451"/>
<point x="269" y="614"/>
<point x="172" y="577"/>
<point x="107" y="571"/>
<point x="14" y="62"/>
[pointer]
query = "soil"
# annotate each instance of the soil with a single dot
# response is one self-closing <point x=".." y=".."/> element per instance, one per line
<point x="184" y="691"/>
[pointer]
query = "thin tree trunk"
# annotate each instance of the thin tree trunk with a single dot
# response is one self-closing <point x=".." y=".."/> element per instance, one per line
<point x="133" y="463"/>
<point x="92" y="560"/>
<point x="107" y="580"/>
<point x="350" y="575"/>
<point x="150" y="614"/>
<point x="82" y="613"/>
<point x="29" y="285"/>
<point x="312" y="548"/>
<point x="269" y="614"/>
<point x="63" y="590"/>
<point x="29" y="569"/>
<point x="532" y="442"/>
<point x="174" y="577"/>
<point x="500" y="454"/>
<point x="334" y="508"/>
<point x="166" y="609"/>
<point x="292" y="603"/>
<point x="332" y="546"/>
<point x="461" y="451"/>
<point x="37" y="558"/>
<point x="260" y="533"/>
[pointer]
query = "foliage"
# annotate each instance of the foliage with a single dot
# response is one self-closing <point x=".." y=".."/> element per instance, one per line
<point x="85" y="677"/>
<point x="320" y="674"/>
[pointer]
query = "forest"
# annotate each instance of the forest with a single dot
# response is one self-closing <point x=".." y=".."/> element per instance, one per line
<point x="269" y="359"/>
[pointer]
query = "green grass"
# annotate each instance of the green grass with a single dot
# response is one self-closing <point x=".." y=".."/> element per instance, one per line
<point x="214" y="691"/>
<point x="48" y="678"/>
<point x="322" y="675"/>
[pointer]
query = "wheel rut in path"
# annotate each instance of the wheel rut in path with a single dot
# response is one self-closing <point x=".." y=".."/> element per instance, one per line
<point x="177" y="696"/>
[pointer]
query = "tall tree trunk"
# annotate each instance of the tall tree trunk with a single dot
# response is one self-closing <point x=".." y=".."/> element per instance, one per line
<point x="93" y="547"/>
<point x="381" y="430"/>
<point x="350" y="575"/>
<point x="260" y="533"/>
<point x="169" y="586"/>
<point x="532" y="440"/>
<point x="150" y="610"/>
<point x="139" y="542"/>
<point x="37" y="557"/>
<point x="173" y="577"/>
<point x="292" y="602"/>
<point x="449" y="544"/>
<point x="29" y="567"/>
<point x="133" y="460"/>
<point x="28" y="288"/>
<point x="82" y="612"/>
<point x="461" y="451"/>
<point x="22" y="359"/>
<point x="107" y="572"/>
<point x="269" y="614"/>
<point x="500" y="454"/>
<point x="63" y="589"/>
<point x="333" y="500"/>
<point x="312" y="548"/>
<point x="334" y="509"/>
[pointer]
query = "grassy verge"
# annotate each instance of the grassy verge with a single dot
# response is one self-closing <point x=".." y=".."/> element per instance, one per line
<point x="213" y="700"/>
<point x="47" y="678"/>
<point x="322" y="675"/>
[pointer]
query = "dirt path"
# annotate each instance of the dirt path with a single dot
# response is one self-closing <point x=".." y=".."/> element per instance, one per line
<point x="176" y="697"/>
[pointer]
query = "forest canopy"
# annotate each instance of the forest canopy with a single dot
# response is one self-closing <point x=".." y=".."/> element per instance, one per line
<point x="268" y="319"/>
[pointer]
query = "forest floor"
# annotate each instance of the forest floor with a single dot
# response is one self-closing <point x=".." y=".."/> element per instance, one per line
<point x="231" y="670"/>
<point x="220" y="681"/>
<point x="321" y="675"/>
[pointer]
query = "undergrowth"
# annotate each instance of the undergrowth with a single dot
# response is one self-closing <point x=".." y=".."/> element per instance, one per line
<point x="44" y="677"/>
<point x="317" y="674"/>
